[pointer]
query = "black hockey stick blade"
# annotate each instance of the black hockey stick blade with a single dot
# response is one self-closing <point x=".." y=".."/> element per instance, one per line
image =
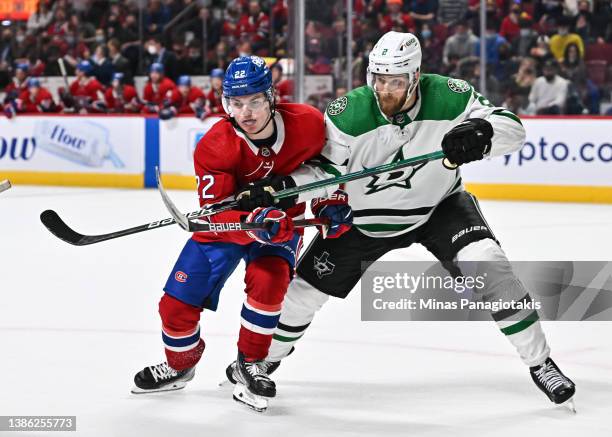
<point x="54" y="223"/>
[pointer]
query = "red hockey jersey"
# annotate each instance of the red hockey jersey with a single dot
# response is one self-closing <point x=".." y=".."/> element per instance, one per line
<point x="90" y="89"/>
<point x="159" y="92"/>
<point x="42" y="102"/>
<point x="225" y="160"/>
<point x="186" y="104"/>
<point x="127" y="101"/>
<point x="214" y="102"/>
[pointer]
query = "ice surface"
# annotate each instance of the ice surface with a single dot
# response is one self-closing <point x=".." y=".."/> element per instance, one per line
<point x="76" y="323"/>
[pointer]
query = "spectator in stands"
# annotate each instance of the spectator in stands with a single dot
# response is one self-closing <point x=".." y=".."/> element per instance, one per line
<point x="395" y="19"/>
<point x="451" y="11"/>
<point x="431" y="49"/>
<point x="122" y="97"/>
<point x="191" y="63"/>
<point x="103" y="67"/>
<point x="282" y="87"/>
<point x="119" y="62"/>
<point x="158" y="54"/>
<point x="602" y="21"/>
<point x="548" y="9"/>
<point x="40" y="19"/>
<point x="220" y="58"/>
<point x="460" y="45"/>
<point x="159" y="91"/>
<point x="549" y="91"/>
<point x="572" y="66"/>
<point x="18" y="84"/>
<point x="255" y="26"/>
<point x="244" y="48"/>
<point x="157" y="15"/>
<point x="520" y="85"/>
<point x="542" y="49"/>
<point x="423" y="12"/>
<point x="583" y="21"/>
<point x="510" y="26"/>
<point x="6" y="52"/>
<point x="527" y="38"/>
<point x="495" y="44"/>
<point x="214" y="96"/>
<point x="563" y="38"/>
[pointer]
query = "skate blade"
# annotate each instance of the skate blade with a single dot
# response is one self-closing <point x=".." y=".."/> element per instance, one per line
<point x="244" y="396"/>
<point x="226" y="383"/>
<point x="170" y="387"/>
<point x="570" y="405"/>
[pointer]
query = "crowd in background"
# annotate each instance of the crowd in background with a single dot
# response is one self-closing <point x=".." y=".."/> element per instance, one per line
<point x="543" y="57"/>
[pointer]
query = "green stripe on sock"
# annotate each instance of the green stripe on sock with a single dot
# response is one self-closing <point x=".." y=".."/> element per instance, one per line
<point x="285" y="339"/>
<point x="522" y="325"/>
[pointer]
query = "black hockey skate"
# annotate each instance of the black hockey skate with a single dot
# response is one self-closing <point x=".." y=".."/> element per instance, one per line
<point x="268" y="367"/>
<point x="558" y="387"/>
<point x="253" y="386"/>
<point x="161" y="377"/>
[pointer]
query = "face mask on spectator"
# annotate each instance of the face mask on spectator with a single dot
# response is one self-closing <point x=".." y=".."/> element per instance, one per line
<point x="563" y="31"/>
<point x="99" y="39"/>
<point x="525" y="32"/>
<point x="152" y="50"/>
<point x="20" y="38"/>
<point x="426" y="34"/>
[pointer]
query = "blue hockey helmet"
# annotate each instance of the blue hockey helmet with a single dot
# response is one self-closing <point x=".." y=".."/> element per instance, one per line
<point x="118" y="76"/>
<point x="85" y="67"/>
<point x="33" y="82"/>
<point x="156" y="67"/>
<point x="184" y="80"/>
<point x="247" y="75"/>
<point x="218" y="73"/>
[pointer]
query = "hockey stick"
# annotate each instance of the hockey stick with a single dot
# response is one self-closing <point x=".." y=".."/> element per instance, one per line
<point x="61" y="230"/>
<point x="5" y="185"/>
<point x="198" y="225"/>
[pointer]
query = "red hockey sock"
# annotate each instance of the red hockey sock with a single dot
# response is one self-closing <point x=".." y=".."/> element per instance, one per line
<point x="180" y="332"/>
<point x="267" y="279"/>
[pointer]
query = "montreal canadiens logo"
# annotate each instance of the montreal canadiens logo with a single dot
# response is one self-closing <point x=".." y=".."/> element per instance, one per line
<point x="181" y="276"/>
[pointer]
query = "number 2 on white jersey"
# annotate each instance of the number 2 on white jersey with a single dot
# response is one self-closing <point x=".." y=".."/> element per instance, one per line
<point x="209" y="180"/>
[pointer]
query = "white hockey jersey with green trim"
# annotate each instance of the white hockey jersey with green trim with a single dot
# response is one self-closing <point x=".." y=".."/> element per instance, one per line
<point x="360" y="136"/>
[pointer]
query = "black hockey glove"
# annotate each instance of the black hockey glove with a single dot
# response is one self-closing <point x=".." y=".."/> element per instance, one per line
<point x="259" y="193"/>
<point x="469" y="141"/>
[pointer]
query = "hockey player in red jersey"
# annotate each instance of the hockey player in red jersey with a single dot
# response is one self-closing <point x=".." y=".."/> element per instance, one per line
<point x="258" y="140"/>
<point x="213" y="98"/>
<point x="186" y="99"/>
<point x="36" y="99"/>
<point x="86" y="94"/>
<point x="159" y="90"/>
<point x="121" y="97"/>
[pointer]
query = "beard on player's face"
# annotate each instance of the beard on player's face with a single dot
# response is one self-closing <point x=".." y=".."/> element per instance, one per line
<point x="391" y="103"/>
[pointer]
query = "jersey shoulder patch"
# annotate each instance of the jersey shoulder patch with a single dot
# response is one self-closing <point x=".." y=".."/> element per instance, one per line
<point x="443" y="98"/>
<point x="356" y="113"/>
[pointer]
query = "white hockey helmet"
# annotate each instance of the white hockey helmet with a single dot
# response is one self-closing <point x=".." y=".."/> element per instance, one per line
<point x="396" y="53"/>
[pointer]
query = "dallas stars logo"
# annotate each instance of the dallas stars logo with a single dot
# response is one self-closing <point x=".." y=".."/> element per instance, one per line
<point x="398" y="179"/>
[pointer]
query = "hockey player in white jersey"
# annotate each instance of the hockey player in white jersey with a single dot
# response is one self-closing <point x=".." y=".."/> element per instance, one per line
<point x="402" y="113"/>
